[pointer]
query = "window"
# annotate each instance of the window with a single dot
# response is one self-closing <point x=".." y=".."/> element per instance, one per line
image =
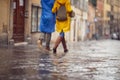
<point x="93" y="2"/>
<point x="84" y="5"/>
<point x="80" y="4"/>
<point x="35" y="22"/>
<point x="108" y="13"/>
<point x="71" y="2"/>
<point x="75" y="3"/>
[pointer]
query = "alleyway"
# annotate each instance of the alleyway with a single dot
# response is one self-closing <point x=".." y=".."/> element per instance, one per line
<point x="90" y="60"/>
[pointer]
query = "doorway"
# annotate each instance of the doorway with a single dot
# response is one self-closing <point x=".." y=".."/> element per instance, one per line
<point x="18" y="20"/>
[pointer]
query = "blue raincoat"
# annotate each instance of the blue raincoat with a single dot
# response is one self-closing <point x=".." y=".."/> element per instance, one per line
<point x="47" y="20"/>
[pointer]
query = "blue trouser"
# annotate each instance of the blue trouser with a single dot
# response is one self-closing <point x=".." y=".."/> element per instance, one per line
<point x="62" y="34"/>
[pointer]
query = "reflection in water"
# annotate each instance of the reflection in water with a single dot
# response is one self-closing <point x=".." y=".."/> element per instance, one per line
<point x="94" y="62"/>
<point x="45" y="66"/>
<point x="18" y="59"/>
<point x="23" y="64"/>
<point x="58" y="76"/>
<point x="48" y="70"/>
<point x="61" y="70"/>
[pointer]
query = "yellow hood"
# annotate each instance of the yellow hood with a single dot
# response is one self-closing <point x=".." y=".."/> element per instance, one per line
<point x="61" y="1"/>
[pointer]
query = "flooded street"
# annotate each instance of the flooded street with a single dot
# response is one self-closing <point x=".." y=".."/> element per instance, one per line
<point x="89" y="60"/>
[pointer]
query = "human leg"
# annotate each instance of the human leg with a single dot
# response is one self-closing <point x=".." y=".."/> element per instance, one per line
<point x="48" y="39"/>
<point x="64" y="45"/>
<point x="58" y="40"/>
<point x="41" y="39"/>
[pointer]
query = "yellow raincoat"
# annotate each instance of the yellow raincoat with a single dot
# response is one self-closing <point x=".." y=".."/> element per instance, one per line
<point x="62" y="25"/>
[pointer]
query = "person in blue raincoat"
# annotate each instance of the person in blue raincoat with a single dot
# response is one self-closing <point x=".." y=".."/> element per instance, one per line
<point x="47" y="23"/>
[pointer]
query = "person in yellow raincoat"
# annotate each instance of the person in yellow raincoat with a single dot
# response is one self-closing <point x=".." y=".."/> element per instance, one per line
<point x="62" y="26"/>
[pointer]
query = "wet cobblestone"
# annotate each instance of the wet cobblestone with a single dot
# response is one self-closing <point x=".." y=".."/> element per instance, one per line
<point x="89" y="60"/>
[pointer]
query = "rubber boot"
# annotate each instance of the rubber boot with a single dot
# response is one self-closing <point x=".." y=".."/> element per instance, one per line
<point x="64" y="45"/>
<point x="59" y="39"/>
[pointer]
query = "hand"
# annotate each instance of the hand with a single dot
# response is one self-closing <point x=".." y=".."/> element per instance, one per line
<point x="72" y="14"/>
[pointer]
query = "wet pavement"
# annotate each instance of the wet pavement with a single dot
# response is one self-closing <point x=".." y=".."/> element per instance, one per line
<point x="90" y="60"/>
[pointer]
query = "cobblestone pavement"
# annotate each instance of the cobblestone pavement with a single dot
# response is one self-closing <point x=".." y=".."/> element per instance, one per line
<point x="89" y="60"/>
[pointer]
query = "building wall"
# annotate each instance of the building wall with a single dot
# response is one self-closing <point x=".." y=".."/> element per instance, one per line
<point x="35" y="2"/>
<point x="107" y="9"/>
<point x="100" y="6"/>
<point x="99" y="15"/>
<point x="116" y="16"/>
<point x="106" y="17"/>
<point x="4" y="20"/>
<point x="4" y="14"/>
<point x="75" y="32"/>
<point x="114" y="26"/>
<point x="31" y="37"/>
<point x="91" y="16"/>
<point x="78" y="25"/>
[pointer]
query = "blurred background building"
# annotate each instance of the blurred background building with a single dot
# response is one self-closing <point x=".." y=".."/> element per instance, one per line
<point x="115" y="17"/>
